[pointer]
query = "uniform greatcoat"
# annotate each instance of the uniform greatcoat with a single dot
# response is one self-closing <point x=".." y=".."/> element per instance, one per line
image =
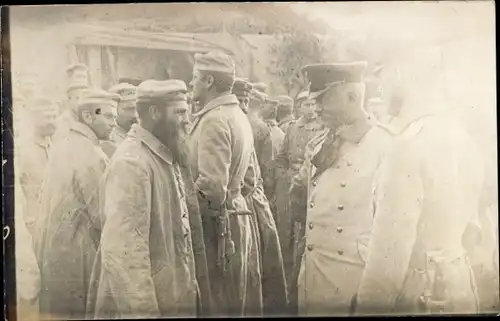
<point x="68" y="230"/>
<point x="145" y="265"/>
<point x="427" y="201"/>
<point x="221" y="144"/>
<point x="339" y="221"/>
<point x="274" y="289"/>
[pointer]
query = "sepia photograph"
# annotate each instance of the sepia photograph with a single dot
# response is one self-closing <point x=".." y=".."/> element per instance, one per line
<point x="280" y="159"/>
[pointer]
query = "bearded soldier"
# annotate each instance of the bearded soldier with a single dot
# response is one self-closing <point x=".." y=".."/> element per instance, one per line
<point x="146" y="264"/>
<point x="273" y="276"/>
<point x="221" y="145"/>
<point x="339" y="216"/>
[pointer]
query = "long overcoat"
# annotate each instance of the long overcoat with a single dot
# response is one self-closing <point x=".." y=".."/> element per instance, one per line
<point x="221" y="143"/>
<point x="426" y="206"/>
<point x="68" y="230"/>
<point x="145" y="265"/>
<point x="274" y="289"/>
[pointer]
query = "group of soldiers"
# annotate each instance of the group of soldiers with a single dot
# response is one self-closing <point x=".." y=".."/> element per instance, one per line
<point x="160" y="198"/>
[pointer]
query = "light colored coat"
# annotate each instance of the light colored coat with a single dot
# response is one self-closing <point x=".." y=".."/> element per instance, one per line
<point x="116" y="137"/>
<point x="221" y="144"/>
<point x="32" y="159"/>
<point x="145" y="265"/>
<point x="339" y="221"/>
<point x="68" y="229"/>
<point x="427" y="197"/>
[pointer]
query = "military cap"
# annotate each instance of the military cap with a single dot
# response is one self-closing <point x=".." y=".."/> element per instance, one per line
<point x="260" y="86"/>
<point x="284" y="100"/>
<point x="161" y="90"/>
<point x="96" y="96"/>
<point x="128" y="80"/>
<point x="302" y="96"/>
<point x="214" y="61"/>
<point x="323" y="76"/>
<point x="126" y="91"/>
<point x="242" y="87"/>
<point x="74" y="67"/>
<point x="257" y="95"/>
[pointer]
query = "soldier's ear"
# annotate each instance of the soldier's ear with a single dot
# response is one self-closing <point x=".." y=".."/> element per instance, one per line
<point x="209" y="80"/>
<point x="87" y="116"/>
<point x="154" y="113"/>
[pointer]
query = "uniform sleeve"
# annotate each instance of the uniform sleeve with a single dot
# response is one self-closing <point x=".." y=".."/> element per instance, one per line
<point x="125" y="239"/>
<point x="214" y="159"/>
<point x="282" y="157"/>
<point x="267" y="166"/>
<point x="397" y="213"/>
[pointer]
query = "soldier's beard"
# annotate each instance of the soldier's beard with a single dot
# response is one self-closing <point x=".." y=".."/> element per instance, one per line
<point x="174" y="137"/>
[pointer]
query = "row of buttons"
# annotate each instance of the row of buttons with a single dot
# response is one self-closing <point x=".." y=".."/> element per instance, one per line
<point x="339" y="229"/>
<point x="342" y="184"/>
<point x="340" y="206"/>
<point x="310" y="247"/>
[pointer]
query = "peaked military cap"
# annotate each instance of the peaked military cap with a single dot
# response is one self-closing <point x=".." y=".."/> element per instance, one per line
<point x="302" y="96"/>
<point x="242" y="87"/>
<point x="95" y="96"/>
<point x="125" y="90"/>
<point x="258" y="96"/>
<point x="161" y="90"/>
<point x="75" y="80"/>
<point x="323" y="76"/>
<point x="285" y="100"/>
<point x="260" y="86"/>
<point x="214" y="61"/>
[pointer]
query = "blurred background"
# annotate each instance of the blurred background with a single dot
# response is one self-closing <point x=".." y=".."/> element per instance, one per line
<point x="270" y="42"/>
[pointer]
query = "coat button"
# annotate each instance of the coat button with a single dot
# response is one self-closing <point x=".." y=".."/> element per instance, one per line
<point x="315" y="183"/>
<point x="340" y="207"/>
<point x="310" y="247"/>
<point x="311" y="226"/>
<point x="311" y="205"/>
<point x="340" y="252"/>
<point x="340" y="229"/>
<point x="349" y="163"/>
<point x="342" y="184"/>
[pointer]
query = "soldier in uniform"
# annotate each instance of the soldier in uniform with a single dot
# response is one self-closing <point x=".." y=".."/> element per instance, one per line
<point x="78" y="81"/>
<point x="221" y="146"/>
<point x="284" y="114"/>
<point x="125" y="117"/>
<point x="426" y="205"/>
<point x="34" y="153"/>
<point x="289" y="162"/>
<point x="146" y="263"/>
<point x="269" y="114"/>
<point x="339" y="216"/>
<point x="273" y="275"/>
<point x="68" y="230"/>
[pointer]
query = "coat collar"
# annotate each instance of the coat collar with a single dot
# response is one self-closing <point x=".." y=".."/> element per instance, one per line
<point x="226" y="99"/>
<point x="84" y="130"/>
<point x="151" y="142"/>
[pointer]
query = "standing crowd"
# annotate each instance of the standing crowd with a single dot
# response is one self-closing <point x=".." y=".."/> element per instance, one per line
<point x="214" y="198"/>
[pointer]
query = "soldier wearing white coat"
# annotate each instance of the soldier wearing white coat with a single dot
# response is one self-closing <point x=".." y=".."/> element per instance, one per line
<point x="427" y="201"/>
<point x="339" y="215"/>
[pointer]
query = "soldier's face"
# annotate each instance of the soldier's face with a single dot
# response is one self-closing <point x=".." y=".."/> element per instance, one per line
<point x="101" y="121"/>
<point x="199" y="86"/>
<point x="45" y="121"/>
<point x="307" y="108"/>
<point x="126" y="115"/>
